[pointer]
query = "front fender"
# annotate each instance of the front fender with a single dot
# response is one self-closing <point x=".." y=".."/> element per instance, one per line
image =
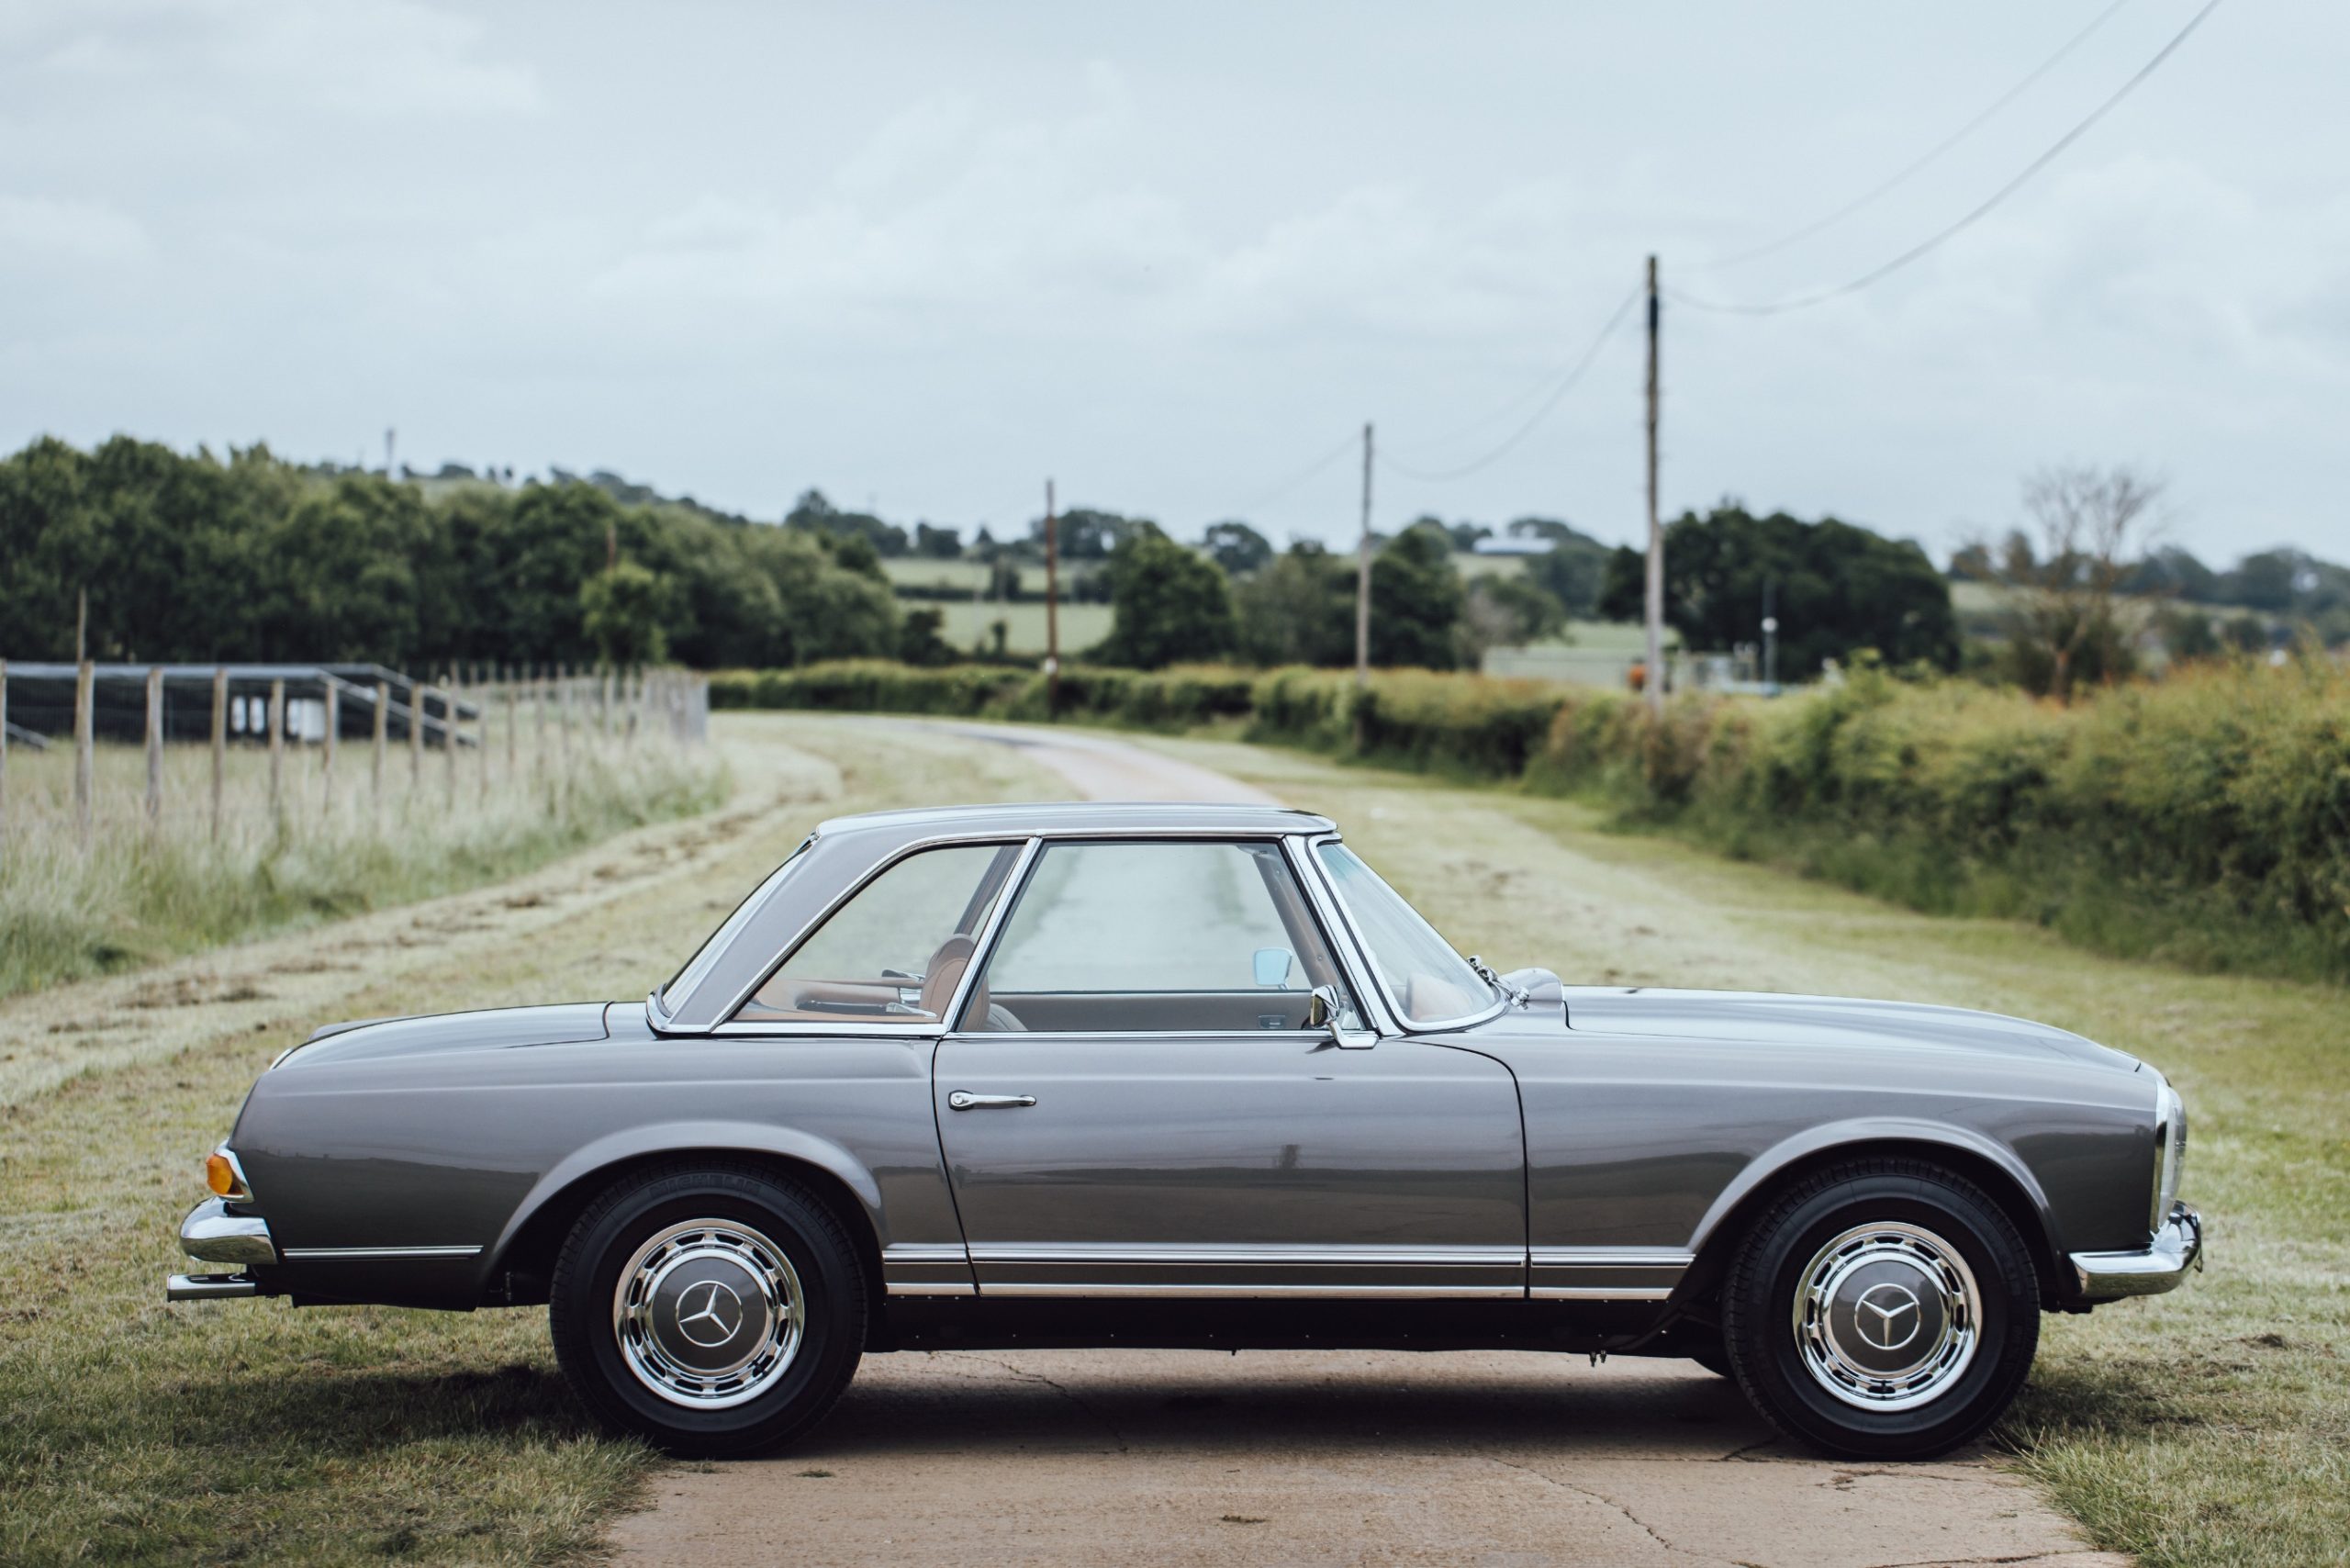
<point x="696" y="1137"/>
<point x="1858" y="1133"/>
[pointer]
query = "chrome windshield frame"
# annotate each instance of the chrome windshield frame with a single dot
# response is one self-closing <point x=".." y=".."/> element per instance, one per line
<point x="1389" y="1002"/>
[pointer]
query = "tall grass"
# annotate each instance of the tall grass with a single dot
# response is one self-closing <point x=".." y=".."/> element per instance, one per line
<point x="146" y="892"/>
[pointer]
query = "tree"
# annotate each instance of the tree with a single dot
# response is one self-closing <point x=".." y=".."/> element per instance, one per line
<point x="1835" y="589"/>
<point x="813" y="512"/>
<point x="622" y="609"/>
<point x="937" y="544"/>
<point x="1414" y="600"/>
<point x="1086" y="534"/>
<point x="2062" y="587"/>
<point x="1237" y="547"/>
<point x="919" y="642"/>
<point x="1506" y="610"/>
<point x="1168" y="605"/>
<point x="1571" y="571"/>
<point x="1300" y="609"/>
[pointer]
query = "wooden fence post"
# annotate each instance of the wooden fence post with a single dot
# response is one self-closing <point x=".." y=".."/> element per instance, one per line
<point x="3" y="751"/>
<point x="277" y="753"/>
<point x="415" y="734"/>
<point x="383" y="733"/>
<point x="155" y="749"/>
<point x="219" y="743"/>
<point x="487" y="685"/>
<point x="513" y="722"/>
<point x="449" y="734"/>
<point x="84" y="749"/>
<point x="333" y="737"/>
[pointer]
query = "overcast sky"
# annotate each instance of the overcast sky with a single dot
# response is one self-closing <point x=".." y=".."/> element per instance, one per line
<point x="924" y="255"/>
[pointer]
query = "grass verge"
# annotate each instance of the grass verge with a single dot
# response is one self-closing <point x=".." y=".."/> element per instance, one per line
<point x="141" y="896"/>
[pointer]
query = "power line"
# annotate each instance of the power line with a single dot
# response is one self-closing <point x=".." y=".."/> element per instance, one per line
<point x="1294" y="480"/>
<point x="1803" y="301"/>
<point x="1902" y="174"/>
<point x="1574" y="374"/>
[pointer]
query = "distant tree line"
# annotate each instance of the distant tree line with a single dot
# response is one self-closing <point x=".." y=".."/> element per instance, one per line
<point x="247" y="557"/>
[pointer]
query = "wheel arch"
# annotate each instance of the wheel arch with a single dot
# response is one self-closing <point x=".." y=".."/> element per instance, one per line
<point x="522" y="1259"/>
<point x="2002" y="1176"/>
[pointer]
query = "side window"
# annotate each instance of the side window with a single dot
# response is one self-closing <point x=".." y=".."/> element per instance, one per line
<point x="895" y="952"/>
<point x="1168" y="935"/>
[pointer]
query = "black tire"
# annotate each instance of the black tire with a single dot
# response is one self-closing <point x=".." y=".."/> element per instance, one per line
<point x="767" y="1257"/>
<point x="1872" y="1235"/>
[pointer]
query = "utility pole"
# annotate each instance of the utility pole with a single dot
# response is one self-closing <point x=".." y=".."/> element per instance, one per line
<point x="388" y="434"/>
<point x="1363" y="574"/>
<point x="1770" y="632"/>
<point x="1052" y="606"/>
<point x="1655" y="681"/>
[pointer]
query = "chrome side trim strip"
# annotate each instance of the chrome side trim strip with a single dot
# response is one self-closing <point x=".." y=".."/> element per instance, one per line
<point x="1606" y="1274"/>
<point x="926" y="1267"/>
<point x="1613" y="1257"/>
<point x="323" y="1254"/>
<point x="1600" y="1293"/>
<point x="1331" y="1292"/>
<point x="1270" y="1256"/>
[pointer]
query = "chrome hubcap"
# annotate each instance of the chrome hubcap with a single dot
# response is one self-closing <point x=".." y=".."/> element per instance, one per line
<point x="709" y="1314"/>
<point x="1887" y="1316"/>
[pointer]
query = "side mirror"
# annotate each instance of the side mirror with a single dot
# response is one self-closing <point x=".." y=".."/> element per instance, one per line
<point x="1323" y="1010"/>
<point x="1271" y="966"/>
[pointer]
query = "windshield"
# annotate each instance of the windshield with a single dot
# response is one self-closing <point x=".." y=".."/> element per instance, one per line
<point x="706" y="954"/>
<point x="1423" y="975"/>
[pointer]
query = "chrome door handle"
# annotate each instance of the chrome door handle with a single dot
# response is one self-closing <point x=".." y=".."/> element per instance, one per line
<point x="964" y="1100"/>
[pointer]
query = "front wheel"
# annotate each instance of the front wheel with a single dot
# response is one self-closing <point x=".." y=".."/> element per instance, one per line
<point x="1883" y="1309"/>
<point x="711" y="1310"/>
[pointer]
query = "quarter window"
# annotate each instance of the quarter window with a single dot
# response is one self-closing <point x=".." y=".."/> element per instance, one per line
<point x="1165" y="936"/>
<point x="897" y="950"/>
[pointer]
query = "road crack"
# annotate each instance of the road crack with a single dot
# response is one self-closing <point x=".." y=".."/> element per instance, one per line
<point x="1071" y="1394"/>
<point x="1599" y="1496"/>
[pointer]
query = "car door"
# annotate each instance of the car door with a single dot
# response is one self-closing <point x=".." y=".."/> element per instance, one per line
<point x="1133" y="1102"/>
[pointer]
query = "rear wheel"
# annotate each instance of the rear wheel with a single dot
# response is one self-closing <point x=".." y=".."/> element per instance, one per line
<point x="712" y="1310"/>
<point x="1883" y="1309"/>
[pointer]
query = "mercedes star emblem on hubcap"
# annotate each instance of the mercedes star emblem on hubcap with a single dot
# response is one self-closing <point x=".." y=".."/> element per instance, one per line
<point x="1886" y="1315"/>
<point x="709" y="1314"/>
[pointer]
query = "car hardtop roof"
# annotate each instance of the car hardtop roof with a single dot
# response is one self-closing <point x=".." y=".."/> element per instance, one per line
<point x="1086" y="817"/>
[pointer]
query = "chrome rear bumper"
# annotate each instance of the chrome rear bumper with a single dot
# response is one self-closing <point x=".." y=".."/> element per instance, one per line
<point x="2176" y="1251"/>
<point x="208" y="1287"/>
<point x="211" y="1233"/>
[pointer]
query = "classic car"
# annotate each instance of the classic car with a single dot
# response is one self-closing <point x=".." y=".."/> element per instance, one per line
<point x="1180" y="1075"/>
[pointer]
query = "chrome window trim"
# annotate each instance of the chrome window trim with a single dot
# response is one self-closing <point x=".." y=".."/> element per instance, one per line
<point x="706" y="957"/>
<point x="1405" y="1023"/>
<point x="1346" y="946"/>
<point x="872" y="874"/>
<point x="666" y="1017"/>
<point x="1017" y="887"/>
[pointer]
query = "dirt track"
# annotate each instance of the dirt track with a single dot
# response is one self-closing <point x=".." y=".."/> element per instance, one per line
<point x="1192" y="1457"/>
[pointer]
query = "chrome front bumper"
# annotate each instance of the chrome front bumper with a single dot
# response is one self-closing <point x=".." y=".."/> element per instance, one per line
<point x="2178" y="1251"/>
<point x="211" y="1233"/>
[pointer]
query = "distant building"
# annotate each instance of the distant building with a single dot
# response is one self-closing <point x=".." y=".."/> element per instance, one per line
<point x="1516" y="544"/>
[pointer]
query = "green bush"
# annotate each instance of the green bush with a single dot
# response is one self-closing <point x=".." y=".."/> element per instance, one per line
<point x="2204" y="820"/>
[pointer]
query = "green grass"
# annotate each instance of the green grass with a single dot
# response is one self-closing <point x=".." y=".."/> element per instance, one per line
<point x="141" y="896"/>
<point x="967" y="625"/>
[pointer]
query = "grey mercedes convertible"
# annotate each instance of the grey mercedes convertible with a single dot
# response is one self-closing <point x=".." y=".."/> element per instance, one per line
<point x="1155" y="1075"/>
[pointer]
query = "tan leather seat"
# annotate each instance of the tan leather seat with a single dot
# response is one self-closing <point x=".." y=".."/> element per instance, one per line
<point x="945" y="972"/>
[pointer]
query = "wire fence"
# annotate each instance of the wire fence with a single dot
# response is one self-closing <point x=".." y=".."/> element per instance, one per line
<point x="232" y="751"/>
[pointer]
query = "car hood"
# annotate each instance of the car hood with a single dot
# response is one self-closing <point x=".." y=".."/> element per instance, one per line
<point x="1770" y="1017"/>
<point x="502" y="1028"/>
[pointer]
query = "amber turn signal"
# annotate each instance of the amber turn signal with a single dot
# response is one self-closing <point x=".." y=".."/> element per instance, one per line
<point x="221" y="1175"/>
